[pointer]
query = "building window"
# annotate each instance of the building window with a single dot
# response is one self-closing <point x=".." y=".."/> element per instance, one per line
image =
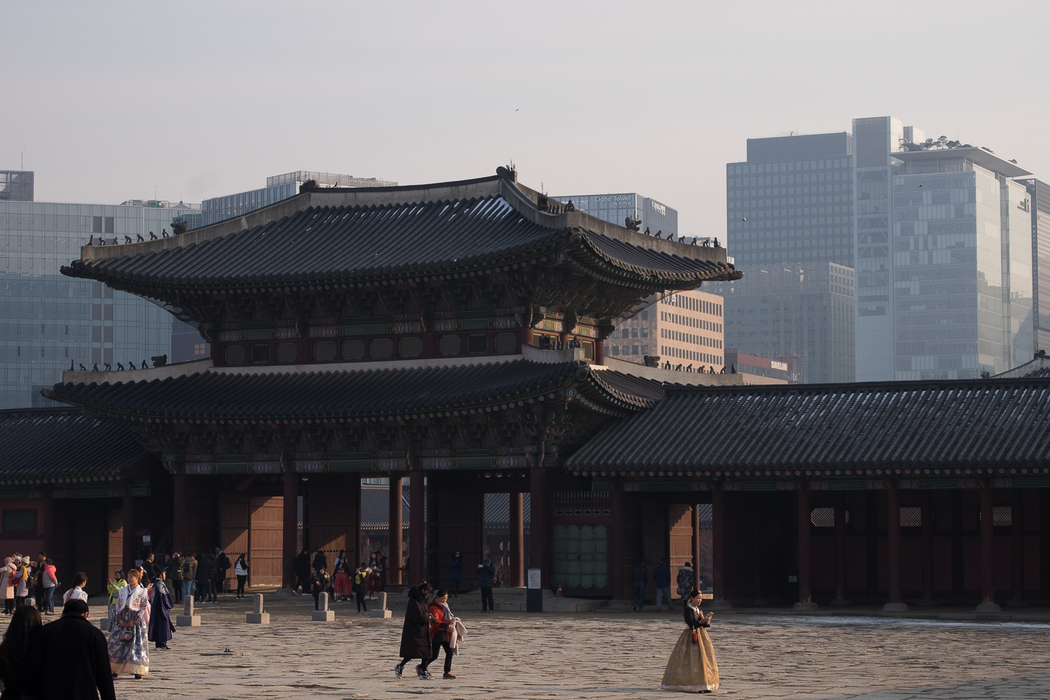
<point x="911" y="516"/>
<point x="824" y="516"/>
<point x="19" y="523"/>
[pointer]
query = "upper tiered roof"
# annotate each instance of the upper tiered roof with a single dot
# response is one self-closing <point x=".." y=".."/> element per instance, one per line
<point x="399" y="235"/>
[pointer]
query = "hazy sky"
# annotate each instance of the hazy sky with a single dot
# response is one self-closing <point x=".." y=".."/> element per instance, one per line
<point x="111" y="101"/>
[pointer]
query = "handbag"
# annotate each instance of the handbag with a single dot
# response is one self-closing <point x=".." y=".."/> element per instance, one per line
<point x="696" y="637"/>
<point x="126" y="635"/>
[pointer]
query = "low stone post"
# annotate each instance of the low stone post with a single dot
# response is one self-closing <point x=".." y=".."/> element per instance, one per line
<point x="257" y="616"/>
<point x="379" y="610"/>
<point x="323" y="614"/>
<point x="188" y="619"/>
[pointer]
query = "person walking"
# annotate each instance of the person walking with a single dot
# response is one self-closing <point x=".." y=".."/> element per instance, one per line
<point x="455" y="573"/>
<point x="360" y="586"/>
<point x="206" y="578"/>
<point x="240" y="570"/>
<point x="692" y="667"/>
<point x="68" y="658"/>
<point x="129" y="639"/>
<point x="49" y="580"/>
<point x="301" y="569"/>
<point x="662" y="581"/>
<point x="14" y="652"/>
<point x="486" y="576"/>
<point x="639" y="577"/>
<point x="7" y="582"/>
<point x="343" y="572"/>
<point x="160" y="616"/>
<point x="176" y="577"/>
<point x="415" y="633"/>
<point x="442" y="631"/>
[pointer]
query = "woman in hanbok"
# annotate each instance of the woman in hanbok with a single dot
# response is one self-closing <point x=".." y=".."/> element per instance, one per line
<point x="159" y="616"/>
<point x="692" y="667"/>
<point x="129" y="639"/>
<point x="7" y="574"/>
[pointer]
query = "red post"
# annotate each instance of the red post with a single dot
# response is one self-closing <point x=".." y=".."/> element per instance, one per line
<point x="128" y="523"/>
<point x="395" y="531"/>
<point x="805" y="592"/>
<point x="893" y="526"/>
<point x="987" y="550"/>
<point x="840" y="548"/>
<point x="180" y="513"/>
<point x="417" y="545"/>
<point x="517" y="540"/>
<point x="718" y="548"/>
<point x="538" y="522"/>
<point x="289" y="525"/>
<point x="1017" y="548"/>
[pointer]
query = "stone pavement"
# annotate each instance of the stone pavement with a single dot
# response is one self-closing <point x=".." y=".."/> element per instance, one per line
<point x="761" y="654"/>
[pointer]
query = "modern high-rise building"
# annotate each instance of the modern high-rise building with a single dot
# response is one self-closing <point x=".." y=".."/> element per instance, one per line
<point x="798" y="315"/>
<point x="656" y="217"/>
<point x="16" y="185"/>
<point x="279" y="187"/>
<point x="1039" y="192"/>
<point x="50" y="322"/>
<point x="792" y="201"/>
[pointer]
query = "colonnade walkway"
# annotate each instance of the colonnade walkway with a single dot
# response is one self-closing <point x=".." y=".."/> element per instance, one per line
<point x="611" y="653"/>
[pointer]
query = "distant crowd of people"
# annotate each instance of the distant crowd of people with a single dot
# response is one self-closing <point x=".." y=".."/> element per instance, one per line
<point x="362" y="583"/>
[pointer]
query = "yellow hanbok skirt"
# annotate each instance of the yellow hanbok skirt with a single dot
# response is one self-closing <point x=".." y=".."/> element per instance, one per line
<point x="692" y="667"/>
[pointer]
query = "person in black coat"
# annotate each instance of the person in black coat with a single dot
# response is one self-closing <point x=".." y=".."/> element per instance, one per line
<point x="14" y="651"/>
<point x="206" y="577"/>
<point x="68" y="659"/>
<point x="301" y="569"/>
<point x="415" y="635"/>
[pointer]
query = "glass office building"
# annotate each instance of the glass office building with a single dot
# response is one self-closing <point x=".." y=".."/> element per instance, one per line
<point x="279" y="187"/>
<point x="615" y="208"/>
<point x="49" y="321"/>
<point x="1039" y="206"/>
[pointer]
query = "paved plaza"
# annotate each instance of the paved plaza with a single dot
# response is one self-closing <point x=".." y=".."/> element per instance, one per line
<point x="770" y="654"/>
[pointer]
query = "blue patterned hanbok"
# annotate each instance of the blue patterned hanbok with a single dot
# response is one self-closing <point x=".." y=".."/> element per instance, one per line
<point x="128" y="639"/>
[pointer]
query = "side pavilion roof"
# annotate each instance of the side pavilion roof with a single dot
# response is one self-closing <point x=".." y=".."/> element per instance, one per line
<point x="377" y="235"/>
<point x="980" y="425"/>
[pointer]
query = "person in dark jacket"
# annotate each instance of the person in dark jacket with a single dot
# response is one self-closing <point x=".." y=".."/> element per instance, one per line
<point x="14" y="651"/>
<point x="662" y="581"/>
<point x="206" y="578"/>
<point x="415" y="634"/>
<point x="486" y="576"/>
<point x="149" y="567"/>
<point x="301" y="569"/>
<point x="320" y="561"/>
<point x="68" y="658"/>
<point x="222" y="566"/>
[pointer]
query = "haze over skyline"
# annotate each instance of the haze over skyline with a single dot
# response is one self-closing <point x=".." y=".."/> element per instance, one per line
<point x="110" y="101"/>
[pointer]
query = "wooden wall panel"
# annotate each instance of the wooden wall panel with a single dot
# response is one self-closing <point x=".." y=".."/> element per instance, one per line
<point x="234" y="524"/>
<point x="265" y="549"/>
<point x="680" y="539"/>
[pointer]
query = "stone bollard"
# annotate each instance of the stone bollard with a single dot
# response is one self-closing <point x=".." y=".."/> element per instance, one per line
<point x="188" y="619"/>
<point x="379" y="610"/>
<point x="257" y="616"/>
<point x="323" y="614"/>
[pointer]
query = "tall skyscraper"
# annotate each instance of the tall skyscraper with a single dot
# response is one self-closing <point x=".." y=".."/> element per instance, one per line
<point x="49" y="321"/>
<point x="1039" y="192"/>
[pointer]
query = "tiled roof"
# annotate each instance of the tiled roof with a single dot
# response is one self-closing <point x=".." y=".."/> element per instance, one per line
<point x="977" y="424"/>
<point x="388" y="391"/>
<point x="379" y="234"/>
<point x="62" y="445"/>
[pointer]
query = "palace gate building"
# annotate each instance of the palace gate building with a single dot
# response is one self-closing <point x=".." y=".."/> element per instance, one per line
<point x="451" y="334"/>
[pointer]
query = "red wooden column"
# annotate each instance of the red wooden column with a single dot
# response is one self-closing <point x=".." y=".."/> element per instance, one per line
<point x="615" y="560"/>
<point x="988" y="603"/>
<point x="417" y="549"/>
<point x="517" y="540"/>
<point x="46" y="523"/>
<point x="718" y="542"/>
<point x="927" y="547"/>
<point x="394" y="560"/>
<point x="893" y="527"/>
<point x="840" y="551"/>
<point x="128" y="523"/>
<point x="180" y="517"/>
<point x="805" y="590"/>
<point x="1017" y="542"/>
<point x="694" y="513"/>
<point x="289" y="525"/>
<point x="538" y="522"/>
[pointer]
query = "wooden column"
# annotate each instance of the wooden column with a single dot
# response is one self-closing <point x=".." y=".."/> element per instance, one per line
<point x="180" y="517"/>
<point x="517" y="540"/>
<point x="927" y="547"/>
<point x="958" y="562"/>
<point x="1017" y="545"/>
<point x="289" y="525"/>
<point x="893" y="536"/>
<point x="805" y="590"/>
<point x="395" y="525"/>
<point x="538" y="522"/>
<point x="46" y="524"/>
<point x="871" y="541"/>
<point x="128" y="523"/>
<point x="718" y="541"/>
<point x="987" y="551"/>
<point x="615" y="560"/>
<point x="694" y="513"/>
<point x="417" y="550"/>
<point x="840" y="550"/>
